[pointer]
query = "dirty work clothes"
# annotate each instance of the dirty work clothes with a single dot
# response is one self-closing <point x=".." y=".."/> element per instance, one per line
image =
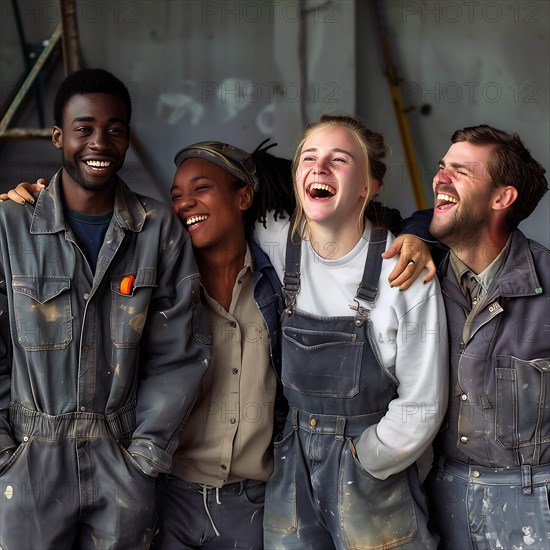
<point x="213" y="518"/>
<point x="94" y="373"/>
<point x="109" y="503"/>
<point x="320" y="495"/>
<point x="479" y="508"/>
<point x="217" y="446"/>
<point x="497" y="434"/>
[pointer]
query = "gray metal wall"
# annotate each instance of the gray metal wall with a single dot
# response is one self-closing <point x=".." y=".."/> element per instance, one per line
<point x="238" y="71"/>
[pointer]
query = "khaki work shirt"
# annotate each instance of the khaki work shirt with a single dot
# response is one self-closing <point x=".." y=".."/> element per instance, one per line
<point x="227" y="437"/>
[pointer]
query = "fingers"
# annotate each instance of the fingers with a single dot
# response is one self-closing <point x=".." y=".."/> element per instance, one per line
<point x="405" y="272"/>
<point x="25" y="192"/>
<point x="414" y="257"/>
<point x="20" y="195"/>
<point x="394" y="249"/>
<point x="432" y="270"/>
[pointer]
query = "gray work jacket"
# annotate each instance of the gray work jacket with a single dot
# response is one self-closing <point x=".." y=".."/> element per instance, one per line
<point x="499" y="406"/>
<point x="101" y="343"/>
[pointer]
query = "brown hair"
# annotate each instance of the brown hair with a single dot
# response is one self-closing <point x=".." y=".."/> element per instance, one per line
<point x="374" y="150"/>
<point x="510" y="163"/>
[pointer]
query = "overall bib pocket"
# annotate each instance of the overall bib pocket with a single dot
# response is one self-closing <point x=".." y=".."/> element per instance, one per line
<point x="321" y="364"/>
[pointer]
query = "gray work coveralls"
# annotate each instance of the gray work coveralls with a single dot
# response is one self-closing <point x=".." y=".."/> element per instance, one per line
<point x="99" y="377"/>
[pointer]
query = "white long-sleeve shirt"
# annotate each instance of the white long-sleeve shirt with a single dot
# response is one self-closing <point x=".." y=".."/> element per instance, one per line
<point x="411" y="340"/>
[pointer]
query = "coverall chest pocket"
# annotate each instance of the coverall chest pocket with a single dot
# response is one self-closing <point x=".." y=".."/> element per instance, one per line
<point x="321" y="363"/>
<point x="43" y="315"/>
<point x="130" y="297"/>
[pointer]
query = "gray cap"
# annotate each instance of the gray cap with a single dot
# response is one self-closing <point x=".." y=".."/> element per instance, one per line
<point x="231" y="159"/>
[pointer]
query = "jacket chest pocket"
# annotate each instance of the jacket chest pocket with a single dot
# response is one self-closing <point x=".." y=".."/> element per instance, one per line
<point x="323" y="364"/>
<point x="43" y="315"/>
<point x="522" y="410"/>
<point x="130" y="297"/>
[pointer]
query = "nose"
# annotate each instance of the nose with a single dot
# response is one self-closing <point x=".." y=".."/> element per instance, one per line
<point x="444" y="175"/>
<point x="321" y="167"/>
<point x="183" y="205"/>
<point x="100" y="140"/>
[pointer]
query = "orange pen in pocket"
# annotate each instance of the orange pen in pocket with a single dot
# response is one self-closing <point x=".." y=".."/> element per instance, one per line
<point x="126" y="284"/>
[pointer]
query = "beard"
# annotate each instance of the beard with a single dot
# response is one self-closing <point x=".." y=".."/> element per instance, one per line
<point x="463" y="230"/>
<point x="76" y="174"/>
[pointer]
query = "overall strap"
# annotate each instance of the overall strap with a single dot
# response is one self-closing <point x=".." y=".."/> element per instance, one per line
<point x="291" y="280"/>
<point x="368" y="287"/>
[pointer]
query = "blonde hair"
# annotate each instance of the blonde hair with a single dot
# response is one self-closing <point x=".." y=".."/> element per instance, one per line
<point x="374" y="150"/>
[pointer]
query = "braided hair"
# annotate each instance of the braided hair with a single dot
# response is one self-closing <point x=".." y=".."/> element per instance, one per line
<point x="275" y="195"/>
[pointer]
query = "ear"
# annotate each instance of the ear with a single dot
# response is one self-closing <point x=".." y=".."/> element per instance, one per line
<point x="246" y="195"/>
<point x="504" y="197"/>
<point x="57" y="137"/>
<point x="375" y="187"/>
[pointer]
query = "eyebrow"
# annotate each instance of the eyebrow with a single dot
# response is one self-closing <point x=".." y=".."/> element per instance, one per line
<point x="195" y="179"/>
<point x="456" y="165"/>
<point x="92" y="119"/>
<point x="336" y="150"/>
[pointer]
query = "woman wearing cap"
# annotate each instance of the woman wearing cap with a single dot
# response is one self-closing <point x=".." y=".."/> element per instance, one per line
<point x="214" y="496"/>
<point x="363" y="365"/>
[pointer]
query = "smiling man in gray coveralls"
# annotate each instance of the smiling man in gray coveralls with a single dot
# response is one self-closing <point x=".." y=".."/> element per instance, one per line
<point x="99" y="291"/>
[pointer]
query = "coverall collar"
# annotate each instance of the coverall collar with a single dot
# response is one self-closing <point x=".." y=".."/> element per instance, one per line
<point x="49" y="217"/>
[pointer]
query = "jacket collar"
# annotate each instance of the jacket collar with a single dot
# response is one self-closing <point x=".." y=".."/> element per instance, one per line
<point x="49" y="217"/>
<point x="517" y="276"/>
<point x="261" y="260"/>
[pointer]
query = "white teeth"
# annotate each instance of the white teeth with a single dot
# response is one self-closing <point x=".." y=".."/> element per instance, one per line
<point x="99" y="163"/>
<point x="447" y="198"/>
<point x="195" y="219"/>
<point x="323" y="187"/>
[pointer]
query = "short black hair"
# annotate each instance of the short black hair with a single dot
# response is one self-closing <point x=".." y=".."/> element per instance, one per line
<point x="89" y="81"/>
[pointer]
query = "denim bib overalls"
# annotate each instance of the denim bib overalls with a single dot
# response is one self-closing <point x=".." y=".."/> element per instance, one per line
<point x="319" y="495"/>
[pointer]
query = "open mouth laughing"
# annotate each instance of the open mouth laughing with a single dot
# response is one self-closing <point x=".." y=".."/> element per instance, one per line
<point x="321" y="191"/>
<point x="97" y="165"/>
<point x="193" y="220"/>
<point x="445" y="200"/>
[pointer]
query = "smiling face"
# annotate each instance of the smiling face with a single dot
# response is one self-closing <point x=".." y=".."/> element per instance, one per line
<point x="93" y="138"/>
<point x="463" y="194"/>
<point x="206" y="198"/>
<point x="330" y="180"/>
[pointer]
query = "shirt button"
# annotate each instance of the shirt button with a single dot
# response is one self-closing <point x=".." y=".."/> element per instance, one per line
<point x="26" y="438"/>
<point x="313" y="422"/>
<point x="223" y="467"/>
<point x="235" y="371"/>
<point x="475" y="473"/>
<point x="232" y="324"/>
<point x="86" y="296"/>
<point x="232" y="421"/>
<point x="464" y="397"/>
<point x="464" y="439"/>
